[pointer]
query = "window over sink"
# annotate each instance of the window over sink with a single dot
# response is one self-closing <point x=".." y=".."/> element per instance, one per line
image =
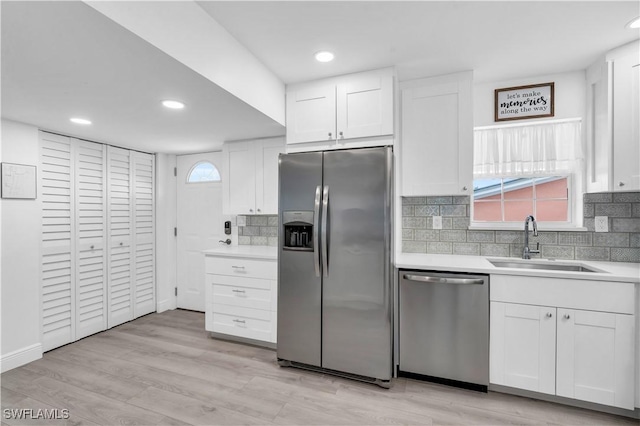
<point x="528" y="169"/>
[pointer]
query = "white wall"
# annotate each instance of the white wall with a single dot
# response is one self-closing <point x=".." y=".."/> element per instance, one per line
<point x="570" y="96"/>
<point x="21" y="233"/>
<point x="166" y="206"/>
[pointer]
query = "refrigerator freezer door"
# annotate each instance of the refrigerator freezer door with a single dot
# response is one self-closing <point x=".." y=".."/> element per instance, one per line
<point x="357" y="297"/>
<point x="299" y="288"/>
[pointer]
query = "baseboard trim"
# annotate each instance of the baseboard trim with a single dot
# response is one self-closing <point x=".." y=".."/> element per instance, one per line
<point x="21" y="357"/>
<point x="165" y="305"/>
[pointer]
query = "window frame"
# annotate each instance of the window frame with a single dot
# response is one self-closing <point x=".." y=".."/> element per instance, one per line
<point x="188" y="182"/>
<point x="573" y="223"/>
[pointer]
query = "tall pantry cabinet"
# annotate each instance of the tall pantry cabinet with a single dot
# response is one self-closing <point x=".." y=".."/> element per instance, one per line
<point x="97" y="237"/>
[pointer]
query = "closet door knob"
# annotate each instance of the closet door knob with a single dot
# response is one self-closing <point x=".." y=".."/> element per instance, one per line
<point x="329" y="135"/>
<point x="567" y="316"/>
<point x="549" y="314"/>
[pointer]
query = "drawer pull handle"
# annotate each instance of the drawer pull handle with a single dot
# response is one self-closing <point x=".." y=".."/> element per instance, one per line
<point x="238" y="267"/>
<point x="239" y="321"/>
<point x="238" y="291"/>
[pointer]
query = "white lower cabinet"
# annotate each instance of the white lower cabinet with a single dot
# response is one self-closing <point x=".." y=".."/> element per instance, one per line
<point x="241" y="297"/>
<point x="595" y="357"/>
<point x="523" y="346"/>
<point x="559" y="349"/>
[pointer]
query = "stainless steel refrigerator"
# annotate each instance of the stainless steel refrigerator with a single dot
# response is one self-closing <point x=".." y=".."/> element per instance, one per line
<point x="334" y="265"/>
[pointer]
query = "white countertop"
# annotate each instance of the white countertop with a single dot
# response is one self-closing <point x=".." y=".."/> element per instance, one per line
<point x="257" y="252"/>
<point x="612" y="271"/>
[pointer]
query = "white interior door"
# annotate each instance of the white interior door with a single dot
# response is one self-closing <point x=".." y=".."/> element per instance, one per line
<point x="200" y="225"/>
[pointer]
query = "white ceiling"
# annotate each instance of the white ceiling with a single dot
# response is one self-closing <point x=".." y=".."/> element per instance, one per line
<point x="61" y="59"/>
<point x="498" y="40"/>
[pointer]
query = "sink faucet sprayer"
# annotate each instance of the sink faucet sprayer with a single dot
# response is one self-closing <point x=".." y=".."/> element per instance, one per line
<point x="526" y="252"/>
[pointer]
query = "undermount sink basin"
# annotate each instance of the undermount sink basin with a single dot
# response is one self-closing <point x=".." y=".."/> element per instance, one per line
<point x="574" y="267"/>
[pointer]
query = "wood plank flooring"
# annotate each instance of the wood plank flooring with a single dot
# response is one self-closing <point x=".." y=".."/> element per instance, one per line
<point x="164" y="369"/>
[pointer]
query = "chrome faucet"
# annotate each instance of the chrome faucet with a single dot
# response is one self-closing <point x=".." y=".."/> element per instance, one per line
<point x="526" y="252"/>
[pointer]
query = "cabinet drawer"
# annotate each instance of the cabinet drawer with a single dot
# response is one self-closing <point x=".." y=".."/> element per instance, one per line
<point x="243" y="322"/>
<point x="241" y="267"/>
<point x="247" y="297"/>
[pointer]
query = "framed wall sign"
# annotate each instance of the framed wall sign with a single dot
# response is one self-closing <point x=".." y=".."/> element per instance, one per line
<point x="517" y="103"/>
<point x="18" y="181"/>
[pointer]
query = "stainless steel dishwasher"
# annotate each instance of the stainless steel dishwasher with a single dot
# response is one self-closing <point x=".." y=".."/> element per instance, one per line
<point x="444" y="328"/>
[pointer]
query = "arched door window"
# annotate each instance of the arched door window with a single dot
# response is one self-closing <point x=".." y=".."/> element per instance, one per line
<point x="203" y="171"/>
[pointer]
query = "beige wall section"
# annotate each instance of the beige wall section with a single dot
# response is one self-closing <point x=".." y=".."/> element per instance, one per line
<point x="21" y="233"/>
<point x="186" y="32"/>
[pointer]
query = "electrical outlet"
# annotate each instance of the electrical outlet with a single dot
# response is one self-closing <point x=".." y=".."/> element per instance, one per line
<point x="602" y="223"/>
<point x="437" y="222"/>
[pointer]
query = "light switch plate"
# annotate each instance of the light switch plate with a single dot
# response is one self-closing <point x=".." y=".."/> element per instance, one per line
<point x="241" y="221"/>
<point x="437" y="222"/>
<point x="602" y="223"/>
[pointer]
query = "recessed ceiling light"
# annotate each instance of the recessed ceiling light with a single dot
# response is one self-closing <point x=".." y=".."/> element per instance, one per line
<point x="80" y="121"/>
<point x="173" y="104"/>
<point x="324" y="56"/>
<point x="635" y="23"/>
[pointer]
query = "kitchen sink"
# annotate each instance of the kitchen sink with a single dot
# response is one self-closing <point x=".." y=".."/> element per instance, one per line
<point x="548" y="266"/>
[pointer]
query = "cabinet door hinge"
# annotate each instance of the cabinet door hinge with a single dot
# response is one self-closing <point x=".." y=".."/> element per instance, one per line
<point x="175" y="232"/>
<point x="175" y="171"/>
<point x="176" y="291"/>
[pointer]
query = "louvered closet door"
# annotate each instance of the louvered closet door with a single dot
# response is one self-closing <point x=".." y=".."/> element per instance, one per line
<point x="144" y="236"/>
<point x="90" y="206"/>
<point x="120" y="228"/>
<point x="58" y="263"/>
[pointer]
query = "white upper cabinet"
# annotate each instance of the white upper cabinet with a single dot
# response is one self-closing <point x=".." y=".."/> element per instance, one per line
<point x="613" y="116"/>
<point x="436" y="156"/>
<point x="336" y="110"/>
<point x="311" y="113"/>
<point x="250" y="176"/>
<point x="626" y="114"/>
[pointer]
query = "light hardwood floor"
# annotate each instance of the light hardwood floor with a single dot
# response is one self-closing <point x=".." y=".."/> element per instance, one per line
<point x="164" y="369"/>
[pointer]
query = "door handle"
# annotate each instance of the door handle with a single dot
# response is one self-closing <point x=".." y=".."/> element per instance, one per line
<point x="316" y="225"/>
<point x="443" y="280"/>
<point x="325" y="245"/>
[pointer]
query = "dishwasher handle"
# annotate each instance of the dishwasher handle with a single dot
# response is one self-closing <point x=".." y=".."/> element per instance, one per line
<point x="443" y="280"/>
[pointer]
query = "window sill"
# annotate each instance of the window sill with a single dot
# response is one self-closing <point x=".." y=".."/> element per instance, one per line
<point x="542" y="227"/>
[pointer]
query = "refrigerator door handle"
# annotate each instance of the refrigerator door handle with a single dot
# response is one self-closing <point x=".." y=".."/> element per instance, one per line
<point x="316" y="225"/>
<point x="325" y="245"/>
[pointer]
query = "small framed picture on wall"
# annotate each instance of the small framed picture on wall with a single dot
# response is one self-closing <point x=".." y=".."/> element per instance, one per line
<point x="18" y="181"/>
<point x="522" y="102"/>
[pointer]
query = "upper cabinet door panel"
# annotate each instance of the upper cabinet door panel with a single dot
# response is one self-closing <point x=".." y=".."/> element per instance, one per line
<point x="239" y="178"/>
<point x="267" y="157"/>
<point x="626" y="115"/>
<point x="365" y="106"/>
<point x="311" y="114"/>
<point x="437" y="136"/>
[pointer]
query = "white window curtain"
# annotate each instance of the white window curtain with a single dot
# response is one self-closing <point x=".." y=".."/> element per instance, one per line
<point x="542" y="148"/>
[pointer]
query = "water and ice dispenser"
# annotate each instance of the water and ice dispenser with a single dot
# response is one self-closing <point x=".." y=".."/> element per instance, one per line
<point x="298" y="230"/>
